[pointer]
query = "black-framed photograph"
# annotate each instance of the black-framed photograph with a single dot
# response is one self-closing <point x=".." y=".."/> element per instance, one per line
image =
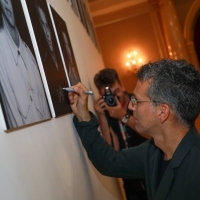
<point x="74" y="6"/>
<point x="82" y="13"/>
<point x="50" y="55"/>
<point x="22" y="94"/>
<point x="89" y="25"/>
<point x="66" y="47"/>
<point x="80" y="9"/>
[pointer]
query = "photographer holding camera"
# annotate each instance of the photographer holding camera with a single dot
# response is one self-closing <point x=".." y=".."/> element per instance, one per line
<point x="117" y="123"/>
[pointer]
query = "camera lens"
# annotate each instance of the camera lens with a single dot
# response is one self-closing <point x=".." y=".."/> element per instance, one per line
<point x="109" y="97"/>
<point x="111" y="100"/>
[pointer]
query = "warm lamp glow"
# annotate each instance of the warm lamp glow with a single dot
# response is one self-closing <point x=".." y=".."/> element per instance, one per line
<point x="128" y="55"/>
<point x="134" y="61"/>
<point x="135" y="53"/>
<point x="140" y="60"/>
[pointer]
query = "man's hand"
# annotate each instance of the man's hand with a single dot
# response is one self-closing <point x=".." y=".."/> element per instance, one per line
<point x="99" y="106"/>
<point x="79" y="102"/>
<point x="117" y="111"/>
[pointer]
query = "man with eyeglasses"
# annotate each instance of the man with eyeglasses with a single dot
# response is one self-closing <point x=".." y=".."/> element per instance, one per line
<point x="117" y="124"/>
<point x="165" y="104"/>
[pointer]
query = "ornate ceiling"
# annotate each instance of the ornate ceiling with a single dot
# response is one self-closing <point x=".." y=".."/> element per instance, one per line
<point x="102" y="7"/>
<point x="107" y="11"/>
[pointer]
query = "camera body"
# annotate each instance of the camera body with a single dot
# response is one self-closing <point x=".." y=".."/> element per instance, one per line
<point x="109" y="97"/>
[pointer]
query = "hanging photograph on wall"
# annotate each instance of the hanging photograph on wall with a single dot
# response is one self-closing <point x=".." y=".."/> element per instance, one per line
<point x="74" y="6"/>
<point x="89" y="24"/>
<point x="81" y="10"/>
<point x="49" y="52"/>
<point x="82" y="15"/>
<point x="22" y="94"/>
<point x="65" y="47"/>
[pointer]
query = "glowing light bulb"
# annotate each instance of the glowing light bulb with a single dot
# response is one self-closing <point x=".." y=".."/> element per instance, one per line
<point x="135" y="53"/>
<point x="133" y="62"/>
<point x="128" y="55"/>
<point x="140" y="60"/>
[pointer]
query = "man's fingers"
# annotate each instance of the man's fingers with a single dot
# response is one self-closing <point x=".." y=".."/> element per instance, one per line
<point x="80" y="89"/>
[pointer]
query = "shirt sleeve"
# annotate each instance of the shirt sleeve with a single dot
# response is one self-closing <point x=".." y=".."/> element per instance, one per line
<point x="128" y="163"/>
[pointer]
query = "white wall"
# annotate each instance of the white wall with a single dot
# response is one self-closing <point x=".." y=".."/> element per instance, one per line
<point x="46" y="161"/>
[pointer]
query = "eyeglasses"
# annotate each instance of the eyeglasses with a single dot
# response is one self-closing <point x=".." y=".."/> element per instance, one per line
<point x="134" y="101"/>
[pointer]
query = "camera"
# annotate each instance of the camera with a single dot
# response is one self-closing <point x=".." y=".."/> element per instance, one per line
<point x="109" y="97"/>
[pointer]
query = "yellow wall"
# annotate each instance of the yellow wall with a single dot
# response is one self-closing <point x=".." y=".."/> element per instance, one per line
<point x="134" y="28"/>
<point x="135" y="33"/>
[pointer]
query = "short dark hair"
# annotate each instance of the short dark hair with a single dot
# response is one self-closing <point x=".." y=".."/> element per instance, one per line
<point x="176" y="83"/>
<point x="106" y="77"/>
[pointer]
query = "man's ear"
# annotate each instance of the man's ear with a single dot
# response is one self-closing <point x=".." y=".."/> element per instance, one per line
<point x="164" y="112"/>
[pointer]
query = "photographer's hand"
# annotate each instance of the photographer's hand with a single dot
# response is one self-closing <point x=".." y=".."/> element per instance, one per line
<point x="106" y="130"/>
<point x="79" y="102"/>
<point x="99" y="106"/>
<point x="117" y="111"/>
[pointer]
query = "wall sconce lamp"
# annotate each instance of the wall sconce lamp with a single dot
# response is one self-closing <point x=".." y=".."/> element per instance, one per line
<point x="134" y="61"/>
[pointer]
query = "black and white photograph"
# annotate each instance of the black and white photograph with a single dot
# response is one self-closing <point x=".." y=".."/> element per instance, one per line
<point x="89" y="25"/>
<point x="77" y="7"/>
<point x="82" y="13"/>
<point x="22" y="93"/>
<point x="49" y="51"/>
<point x="74" y="6"/>
<point x="66" y="47"/>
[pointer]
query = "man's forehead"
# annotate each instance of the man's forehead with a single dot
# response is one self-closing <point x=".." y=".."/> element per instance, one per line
<point x="141" y="87"/>
<point x="115" y="84"/>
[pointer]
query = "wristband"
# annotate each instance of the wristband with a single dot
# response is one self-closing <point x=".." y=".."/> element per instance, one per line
<point x="126" y="118"/>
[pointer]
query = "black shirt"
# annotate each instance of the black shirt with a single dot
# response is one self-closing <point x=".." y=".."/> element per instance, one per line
<point x="163" y="166"/>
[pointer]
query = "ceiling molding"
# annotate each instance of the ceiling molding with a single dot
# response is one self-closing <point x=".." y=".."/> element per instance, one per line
<point x="122" y="14"/>
<point x="103" y="7"/>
